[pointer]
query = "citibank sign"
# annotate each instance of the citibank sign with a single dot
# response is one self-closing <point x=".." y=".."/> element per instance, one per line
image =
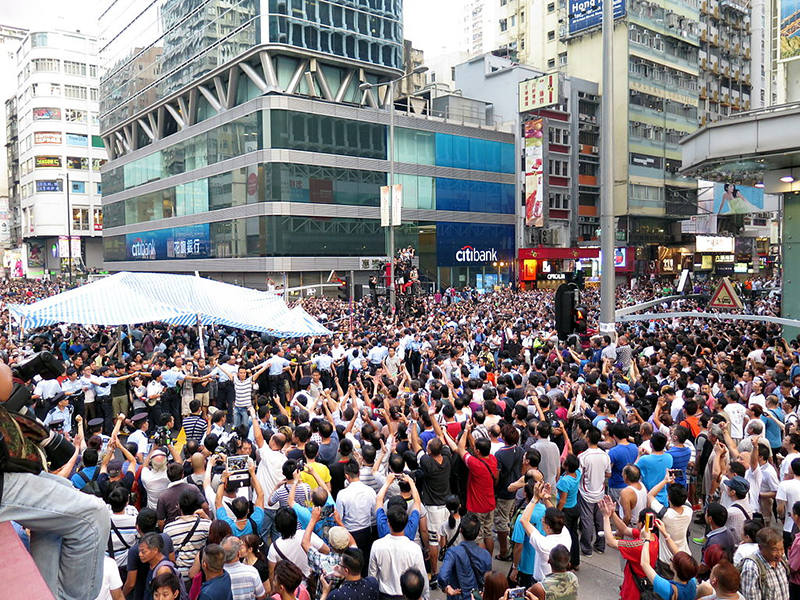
<point x="143" y="249"/>
<point x="470" y="254"/>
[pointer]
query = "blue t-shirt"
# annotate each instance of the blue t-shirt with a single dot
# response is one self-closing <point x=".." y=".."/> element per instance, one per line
<point x="621" y="456"/>
<point x="663" y="587"/>
<point x="78" y="481"/>
<point x="383" y="524"/>
<point x="519" y="536"/>
<point x="771" y="429"/>
<point x="257" y="517"/>
<point x="654" y="470"/>
<point x="218" y="588"/>
<point x="569" y="485"/>
<point x="680" y="459"/>
<point x="304" y="517"/>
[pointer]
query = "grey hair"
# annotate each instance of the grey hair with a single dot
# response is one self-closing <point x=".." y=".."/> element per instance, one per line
<point x="755" y="426"/>
<point x="231" y="545"/>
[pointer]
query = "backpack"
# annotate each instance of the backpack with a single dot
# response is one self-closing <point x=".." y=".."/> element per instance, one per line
<point x="166" y="562"/>
<point x="762" y="571"/>
<point x="91" y="487"/>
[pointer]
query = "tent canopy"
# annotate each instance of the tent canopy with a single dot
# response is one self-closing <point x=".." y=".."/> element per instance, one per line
<point x="129" y="298"/>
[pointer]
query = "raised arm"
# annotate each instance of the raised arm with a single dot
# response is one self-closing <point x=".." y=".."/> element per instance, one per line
<point x="316" y="513"/>
<point x="644" y="562"/>
<point x="607" y="508"/>
<point x="384" y="488"/>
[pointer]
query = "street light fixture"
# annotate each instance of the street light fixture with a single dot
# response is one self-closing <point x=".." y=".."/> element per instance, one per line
<point x="390" y="99"/>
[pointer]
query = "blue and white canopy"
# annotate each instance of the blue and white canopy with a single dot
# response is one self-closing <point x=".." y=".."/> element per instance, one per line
<point x="130" y="298"/>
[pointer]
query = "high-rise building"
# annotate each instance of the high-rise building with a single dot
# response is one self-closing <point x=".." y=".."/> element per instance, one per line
<point x="60" y="153"/>
<point x="532" y="32"/>
<point x="244" y="144"/>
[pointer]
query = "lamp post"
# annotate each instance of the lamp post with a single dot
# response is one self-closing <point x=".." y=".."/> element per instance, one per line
<point x="499" y="266"/>
<point x="390" y="99"/>
<point x="69" y="228"/>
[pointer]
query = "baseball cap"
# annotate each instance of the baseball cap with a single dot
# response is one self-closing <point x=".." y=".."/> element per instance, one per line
<point x="738" y="484"/>
<point x="339" y="538"/>
<point x="114" y="467"/>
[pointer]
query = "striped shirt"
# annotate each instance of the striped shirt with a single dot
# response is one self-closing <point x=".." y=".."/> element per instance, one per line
<point x="244" y="392"/>
<point x="281" y="496"/>
<point x="178" y="531"/>
<point x="195" y="427"/>
<point x="125" y="524"/>
<point x="245" y="581"/>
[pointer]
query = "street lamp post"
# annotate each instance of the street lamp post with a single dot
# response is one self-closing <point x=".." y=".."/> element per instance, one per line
<point x="69" y="229"/>
<point x="390" y="99"/>
<point x="499" y="266"/>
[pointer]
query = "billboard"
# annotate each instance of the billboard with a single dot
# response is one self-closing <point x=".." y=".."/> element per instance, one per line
<point x="789" y="35"/>
<point x="534" y="161"/>
<point x="77" y="139"/>
<point x="538" y="93"/>
<point x="46" y="137"/>
<point x="584" y="14"/>
<point x="192" y="241"/>
<point x="714" y="243"/>
<point x="47" y="162"/>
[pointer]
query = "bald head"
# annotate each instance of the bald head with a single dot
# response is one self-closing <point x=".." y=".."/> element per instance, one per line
<point x="198" y="462"/>
<point x="278" y="441"/>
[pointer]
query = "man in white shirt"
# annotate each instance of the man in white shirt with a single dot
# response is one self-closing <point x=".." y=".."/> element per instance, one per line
<point x="738" y="413"/>
<point x="356" y="507"/>
<point x="792" y="445"/>
<point x="555" y="534"/>
<point x="270" y="469"/>
<point x="393" y="555"/>
<point x="595" y="470"/>
<point x="788" y="493"/>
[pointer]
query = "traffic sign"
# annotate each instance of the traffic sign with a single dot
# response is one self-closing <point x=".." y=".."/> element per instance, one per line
<point x="725" y="296"/>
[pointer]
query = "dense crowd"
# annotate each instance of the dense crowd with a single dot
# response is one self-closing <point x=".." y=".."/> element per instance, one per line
<point x="419" y="451"/>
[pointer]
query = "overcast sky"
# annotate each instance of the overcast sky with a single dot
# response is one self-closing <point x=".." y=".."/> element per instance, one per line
<point x="430" y="24"/>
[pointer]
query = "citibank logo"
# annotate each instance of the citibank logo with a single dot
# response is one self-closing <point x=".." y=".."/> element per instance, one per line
<point x="469" y="254"/>
<point x="143" y="249"/>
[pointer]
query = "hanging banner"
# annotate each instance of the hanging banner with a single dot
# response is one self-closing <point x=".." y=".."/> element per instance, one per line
<point x="534" y="203"/>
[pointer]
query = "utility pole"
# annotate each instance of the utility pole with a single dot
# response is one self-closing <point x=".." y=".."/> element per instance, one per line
<point x="607" y="270"/>
<point x="69" y="229"/>
<point x="392" y="288"/>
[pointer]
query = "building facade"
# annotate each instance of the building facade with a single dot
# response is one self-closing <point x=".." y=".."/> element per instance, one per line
<point x="259" y="152"/>
<point x="59" y="153"/>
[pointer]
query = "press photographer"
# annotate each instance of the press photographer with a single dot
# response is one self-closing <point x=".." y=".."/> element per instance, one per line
<point x="69" y="529"/>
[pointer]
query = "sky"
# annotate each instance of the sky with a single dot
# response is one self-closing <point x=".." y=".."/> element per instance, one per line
<point x="432" y="25"/>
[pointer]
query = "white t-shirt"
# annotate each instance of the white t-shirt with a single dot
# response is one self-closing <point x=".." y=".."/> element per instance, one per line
<point x="543" y="544"/>
<point x="789" y="492"/>
<point x="737" y="413"/>
<point x="786" y="465"/>
<point x="754" y="477"/>
<point x="595" y="463"/>
<point x="111" y="579"/>
<point x="769" y="478"/>
<point x="270" y="471"/>
<point x="292" y="549"/>
<point x="676" y="524"/>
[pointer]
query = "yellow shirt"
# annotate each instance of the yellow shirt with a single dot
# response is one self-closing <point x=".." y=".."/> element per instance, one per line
<point x="321" y="470"/>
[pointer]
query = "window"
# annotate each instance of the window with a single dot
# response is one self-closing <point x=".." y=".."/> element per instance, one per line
<point x="38" y="39"/>
<point x="562" y="59"/>
<point x="551" y="7"/>
<point x="503" y="25"/>
<point x="80" y="219"/>
<point x="74" y="68"/>
<point x="99" y="189"/>
<point x="74" y="116"/>
<point x="551" y="63"/>
<point x="98" y="218"/>
<point x="551" y="35"/>
<point x="513" y="20"/>
<point x="76" y="92"/>
<point x="45" y="65"/>
<point x="93" y="94"/>
<point x="92" y="70"/>
<point x="78" y="187"/>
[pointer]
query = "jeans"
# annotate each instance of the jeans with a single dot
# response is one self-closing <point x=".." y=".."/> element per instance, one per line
<point x="240" y="416"/>
<point x="69" y="531"/>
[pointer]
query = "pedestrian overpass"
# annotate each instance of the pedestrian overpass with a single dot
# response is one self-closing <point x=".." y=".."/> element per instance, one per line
<point x="760" y="148"/>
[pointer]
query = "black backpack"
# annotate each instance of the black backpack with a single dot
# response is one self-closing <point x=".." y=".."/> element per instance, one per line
<point x="91" y="487"/>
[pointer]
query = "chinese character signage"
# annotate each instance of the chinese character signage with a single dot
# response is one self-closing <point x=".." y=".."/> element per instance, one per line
<point x="584" y="14"/>
<point x="534" y="203"/>
<point x="538" y="93"/>
<point x="48" y="162"/>
<point x="192" y="241"/>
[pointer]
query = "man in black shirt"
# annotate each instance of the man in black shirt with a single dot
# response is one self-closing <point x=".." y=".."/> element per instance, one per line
<point x="509" y="464"/>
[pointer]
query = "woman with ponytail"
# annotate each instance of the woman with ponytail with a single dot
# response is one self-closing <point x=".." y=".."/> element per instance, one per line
<point x="450" y="531"/>
<point x="252" y="553"/>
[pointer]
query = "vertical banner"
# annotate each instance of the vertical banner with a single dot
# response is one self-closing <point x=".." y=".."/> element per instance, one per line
<point x="396" y="192"/>
<point x="534" y="203"/>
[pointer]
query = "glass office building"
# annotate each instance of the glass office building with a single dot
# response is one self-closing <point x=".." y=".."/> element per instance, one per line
<point x="242" y="146"/>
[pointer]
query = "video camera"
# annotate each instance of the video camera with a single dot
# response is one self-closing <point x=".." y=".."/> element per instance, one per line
<point x="56" y="447"/>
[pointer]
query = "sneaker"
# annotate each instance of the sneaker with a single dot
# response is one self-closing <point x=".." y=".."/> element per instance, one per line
<point x="699" y="541"/>
<point x="434" y="582"/>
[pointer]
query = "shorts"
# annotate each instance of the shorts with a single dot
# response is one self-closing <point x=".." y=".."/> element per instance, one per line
<point x="202" y="397"/>
<point x="502" y="514"/>
<point x="485" y="519"/>
<point x="436" y="516"/>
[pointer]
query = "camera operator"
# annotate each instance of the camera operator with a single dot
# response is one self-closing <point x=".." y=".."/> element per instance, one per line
<point x="69" y="529"/>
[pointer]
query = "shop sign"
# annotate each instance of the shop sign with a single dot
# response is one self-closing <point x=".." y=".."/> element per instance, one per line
<point x="46" y="137"/>
<point x="48" y="162"/>
<point x="192" y="241"/>
<point x="470" y="254"/>
<point x="724" y="258"/>
<point x="48" y="185"/>
<point x="554" y="277"/>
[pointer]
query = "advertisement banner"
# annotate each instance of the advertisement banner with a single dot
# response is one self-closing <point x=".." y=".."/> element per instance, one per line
<point x="46" y="114"/>
<point x="48" y="185"/>
<point x="48" y="162"/>
<point x="730" y="199"/>
<point x="193" y="241"/>
<point x="462" y="244"/>
<point x="78" y="163"/>
<point x="47" y="137"/>
<point x="584" y="14"/>
<point x="76" y="139"/>
<point x="97" y="163"/>
<point x="790" y="29"/>
<point x="5" y="223"/>
<point x="538" y="93"/>
<point x="534" y="158"/>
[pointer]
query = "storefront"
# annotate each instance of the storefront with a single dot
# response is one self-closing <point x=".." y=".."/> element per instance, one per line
<point x="474" y="255"/>
<point x="546" y="268"/>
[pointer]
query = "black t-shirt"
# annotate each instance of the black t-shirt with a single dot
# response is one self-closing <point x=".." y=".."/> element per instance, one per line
<point x="337" y="477"/>
<point x="509" y="465"/>
<point x="435" y="486"/>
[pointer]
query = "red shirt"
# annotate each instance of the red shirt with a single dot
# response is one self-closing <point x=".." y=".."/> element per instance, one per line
<point x="480" y="484"/>
<point x="454" y="429"/>
<point x="631" y="551"/>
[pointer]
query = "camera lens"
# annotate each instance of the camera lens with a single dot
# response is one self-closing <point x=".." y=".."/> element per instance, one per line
<point x="58" y="450"/>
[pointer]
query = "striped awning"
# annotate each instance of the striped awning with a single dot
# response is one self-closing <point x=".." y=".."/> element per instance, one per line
<point x="131" y="298"/>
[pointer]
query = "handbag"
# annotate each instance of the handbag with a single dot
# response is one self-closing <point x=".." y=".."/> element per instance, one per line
<point x="443" y="549"/>
<point x="643" y="584"/>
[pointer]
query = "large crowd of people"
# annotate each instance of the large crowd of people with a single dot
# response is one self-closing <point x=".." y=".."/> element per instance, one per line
<point x="457" y="449"/>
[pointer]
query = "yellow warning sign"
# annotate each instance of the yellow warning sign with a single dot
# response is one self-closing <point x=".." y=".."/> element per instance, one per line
<point x="725" y="296"/>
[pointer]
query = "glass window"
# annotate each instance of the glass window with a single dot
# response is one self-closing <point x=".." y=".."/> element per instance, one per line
<point x="477" y="154"/>
<point x="78" y="187"/>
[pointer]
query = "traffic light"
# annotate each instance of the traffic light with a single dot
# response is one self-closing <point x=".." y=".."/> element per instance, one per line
<point x="565" y="300"/>
<point x="579" y="320"/>
<point x="344" y="289"/>
<point x="577" y="279"/>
